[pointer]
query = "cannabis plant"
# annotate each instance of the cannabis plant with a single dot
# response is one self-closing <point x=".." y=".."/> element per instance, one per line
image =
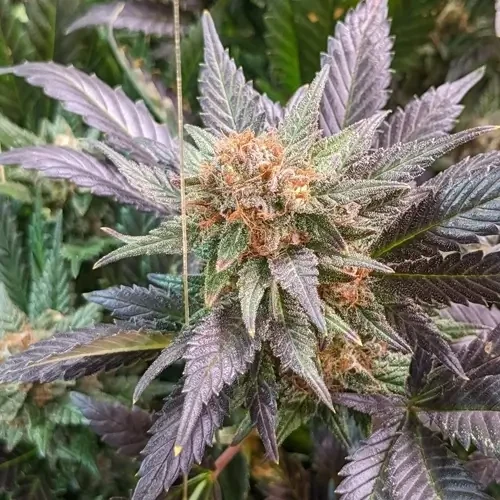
<point x="323" y="264"/>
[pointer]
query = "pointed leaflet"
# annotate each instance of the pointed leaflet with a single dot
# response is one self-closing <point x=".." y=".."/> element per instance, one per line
<point x="165" y="239"/>
<point x="485" y="470"/>
<point x="418" y="329"/>
<point x="359" y="58"/>
<point x="150" y="180"/>
<point x="169" y="355"/>
<point x="11" y="317"/>
<point x="147" y="17"/>
<point x="431" y="116"/>
<point x="233" y="243"/>
<point x="228" y="103"/>
<point x="295" y="344"/>
<point x="161" y="465"/>
<point x="219" y="350"/>
<point x="296" y="409"/>
<point x="377" y="405"/>
<point x="118" y="426"/>
<point x="468" y="412"/>
<point x="365" y="473"/>
<point x="473" y="277"/>
<point x="51" y="290"/>
<point x="80" y="168"/>
<point x="145" y="307"/>
<point x="405" y="162"/>
<point x="252" y="283"/>
<point x="420" y="464"/>
<point x="81" y="352"/>
<point x="474" y="314"/>
<point x="13" y="273"/>
<point x="108" y="110"/>
<point x="299" y="130"/>
<point x="261" y="403"/>
<point x="336" y="325"/>
<point x="371" y="322"/>
<point x="297" y="273"/>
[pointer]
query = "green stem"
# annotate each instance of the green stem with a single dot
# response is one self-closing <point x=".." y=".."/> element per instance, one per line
<point x="122" y="61"/>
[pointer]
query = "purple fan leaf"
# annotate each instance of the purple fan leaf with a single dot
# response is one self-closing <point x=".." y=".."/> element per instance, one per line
<point x="162" y="465"/>
<point x="118" y="426"/>
<point x="81" y="168"/>
<point x="68" y="356"/>
<point x="151" y="18"/>
<point x="359" y="57"/>
<point x="228" y="103"/>
<point x="428" y="117"/>
<point x="218" y="351"/>
<point x="106" y="109"/>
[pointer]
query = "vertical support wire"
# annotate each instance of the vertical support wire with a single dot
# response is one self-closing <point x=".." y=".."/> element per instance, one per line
<point x="180" y="127"/>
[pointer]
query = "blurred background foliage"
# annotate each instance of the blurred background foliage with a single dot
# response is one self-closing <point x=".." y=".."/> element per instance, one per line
<point x="50" y="231"/>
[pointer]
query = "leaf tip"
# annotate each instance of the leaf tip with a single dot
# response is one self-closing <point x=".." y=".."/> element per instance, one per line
<point x="177" y="450"/>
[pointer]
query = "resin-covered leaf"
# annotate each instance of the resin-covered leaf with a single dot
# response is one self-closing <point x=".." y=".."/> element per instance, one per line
<point x="123" y="428"/>
<point x="81" y="352"/>
<point x="261" y="403"/>
<point x="430" y="116"/>
<point x="101" y="107"/>
<point x="420" y="463"/>
<point x="151" y="181"/>
<point x="253" y="281"/>
<point x="169" y="355"/>
<point x="219" y="350"/>
<point x="297" y="273"/>
<point x="473" y="277"/>
<point x="364" y="476"/>
<point x="485" y="470"/>
<point x="149" y="307"/>
<point x="474" y="314"/>
<point x="371" y="322"/>
<point x="147" y="17"/>
<point x="462" y="204"/>
<point x="359" y="75"/>
<point x="468" y="411"/>
<point x="233" y="243"/>
<point x="80" y="168"/>
<point x="418" y="329"/>
<point x="165" y="239"/>
<point x="299" y="129"/>
<point x="162" y="464"/>
<point x="228" y="103"/>
<point x="295" y="344"/>
<point x="405" y="162"/>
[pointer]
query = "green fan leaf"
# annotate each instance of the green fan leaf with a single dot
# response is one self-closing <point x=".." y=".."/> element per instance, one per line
<point x="295" y="344"/>
<point x="253" y="281"/>
<point x="165" y="239"/>
<point x="233" y="243"/>
<point x="12" y="269"/>
<point x="297" y="274"/>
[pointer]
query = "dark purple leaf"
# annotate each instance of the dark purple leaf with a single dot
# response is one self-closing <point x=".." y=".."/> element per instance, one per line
<point x="485" y="470"/>
<point x="219" y="350"/>
<point x="162" y="465"/>
<point x="119" y="426"/>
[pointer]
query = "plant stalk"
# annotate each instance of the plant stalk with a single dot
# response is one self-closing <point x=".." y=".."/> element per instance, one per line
<point x="180" y="131"/>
